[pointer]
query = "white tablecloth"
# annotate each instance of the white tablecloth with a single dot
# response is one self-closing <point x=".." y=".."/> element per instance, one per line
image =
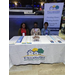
<point x="23" y="53"/>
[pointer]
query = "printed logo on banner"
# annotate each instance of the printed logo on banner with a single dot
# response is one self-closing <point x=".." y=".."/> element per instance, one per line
<point x="53" y="9"/>
<point x="34" y="54"/>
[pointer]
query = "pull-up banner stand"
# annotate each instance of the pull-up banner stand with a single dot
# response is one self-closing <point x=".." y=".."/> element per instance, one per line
<point x="52" y="14"/>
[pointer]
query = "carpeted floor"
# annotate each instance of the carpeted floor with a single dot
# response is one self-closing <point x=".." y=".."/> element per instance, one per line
<point x="42" y="69"/>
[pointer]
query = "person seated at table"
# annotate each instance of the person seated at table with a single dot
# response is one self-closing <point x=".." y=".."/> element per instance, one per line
<point x="35" y="30"/>
<point x="23" y="31"/>
<point x="45" y="30"/>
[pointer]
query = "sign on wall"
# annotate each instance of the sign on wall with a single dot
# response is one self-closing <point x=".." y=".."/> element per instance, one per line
<point x="53" y="13"/>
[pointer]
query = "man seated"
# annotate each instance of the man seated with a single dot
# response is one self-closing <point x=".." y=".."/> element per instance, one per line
<point x="45" y="30"/>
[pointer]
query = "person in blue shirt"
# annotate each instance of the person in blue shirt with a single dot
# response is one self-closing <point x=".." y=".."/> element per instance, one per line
<point x="45" y="30"/>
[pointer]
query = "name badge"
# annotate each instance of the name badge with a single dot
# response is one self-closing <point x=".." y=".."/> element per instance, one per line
<point x="36" y="29"/>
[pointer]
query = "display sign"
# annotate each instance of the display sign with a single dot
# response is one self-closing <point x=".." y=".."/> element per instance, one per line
<point x="52" y="14"/>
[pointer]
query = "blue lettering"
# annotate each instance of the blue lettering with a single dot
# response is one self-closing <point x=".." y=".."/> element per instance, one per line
<point x="24" y="57"/>
<point x="27" y="57"/>
<point x="33" y="57"/>
<point x="53" y="12"/>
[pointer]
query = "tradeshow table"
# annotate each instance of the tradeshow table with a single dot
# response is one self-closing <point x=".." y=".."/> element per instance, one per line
<point x="49" y="49"/>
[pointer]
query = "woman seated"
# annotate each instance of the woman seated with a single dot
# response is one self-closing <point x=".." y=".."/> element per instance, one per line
<point x="45" y="30"/>
<point x="23" y="31"/>
<point x="35" y="30"/>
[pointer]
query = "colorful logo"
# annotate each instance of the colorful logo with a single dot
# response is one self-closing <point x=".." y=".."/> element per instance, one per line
<point x="34" y="54"/>
<point x="53" y="10"/>
<point x="54" y="7"/>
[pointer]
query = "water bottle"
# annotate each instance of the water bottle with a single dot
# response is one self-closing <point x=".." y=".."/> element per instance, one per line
<point x="23" y="34"/>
